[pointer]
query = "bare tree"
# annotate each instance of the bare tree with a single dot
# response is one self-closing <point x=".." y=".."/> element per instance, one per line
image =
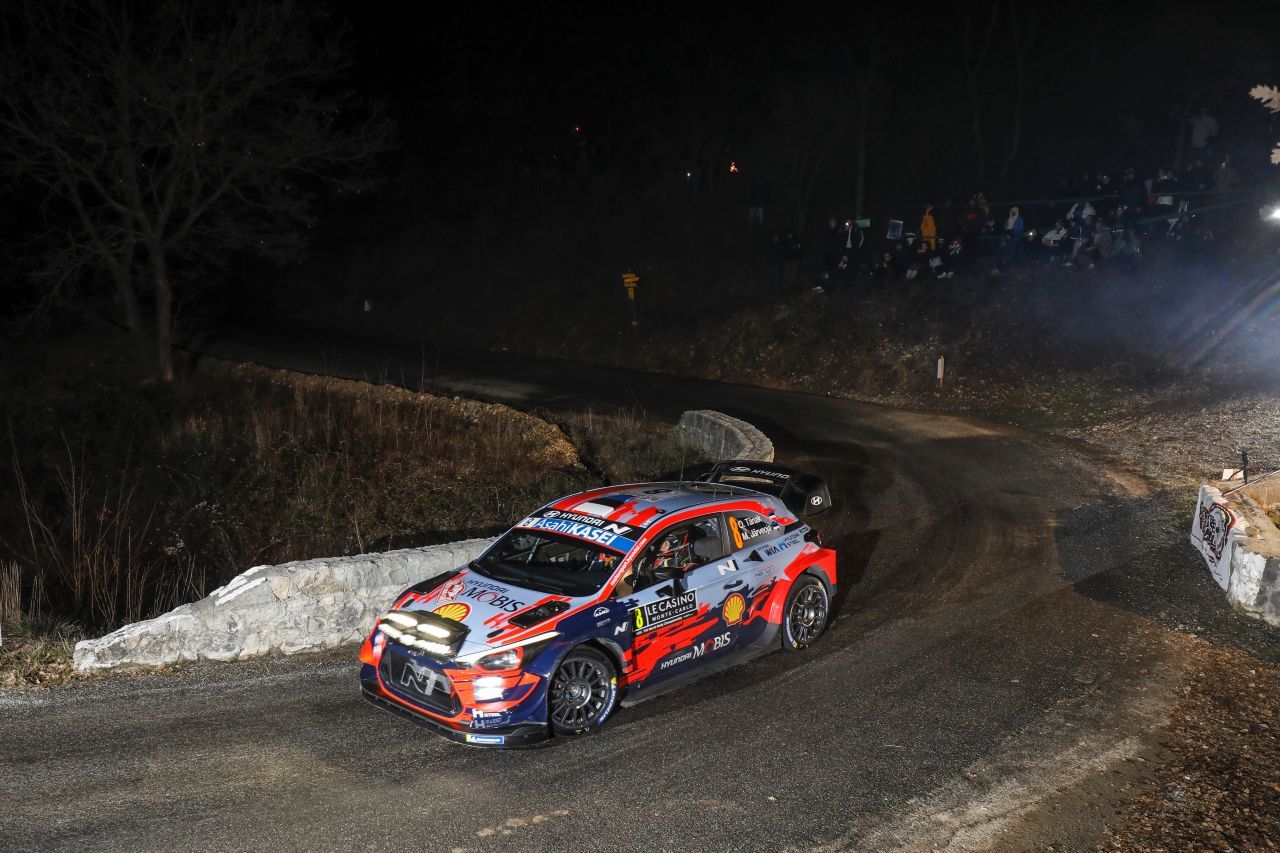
<point x="167" y="137"/>
<point x="978" y="38"/>
<point x="1032" y="51"/>
<point x="809" y="131"/>
<point x="868" y="47"/>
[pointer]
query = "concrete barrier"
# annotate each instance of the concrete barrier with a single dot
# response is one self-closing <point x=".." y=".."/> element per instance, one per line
<point x="302" y="606"/>
<point x="1241" y="547"/>
<point x="721" y="437"/>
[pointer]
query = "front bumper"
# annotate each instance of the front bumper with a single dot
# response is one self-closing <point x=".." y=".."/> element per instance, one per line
<point x="517" y="735"/>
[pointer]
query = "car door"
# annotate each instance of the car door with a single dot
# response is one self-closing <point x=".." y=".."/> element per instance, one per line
<point x="754" y="562"/>
<point x="675" y="620"/>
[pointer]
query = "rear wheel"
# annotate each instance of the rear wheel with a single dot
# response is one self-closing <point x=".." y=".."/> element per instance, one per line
<point x="805" y="615"/>
<point x="583" y="692"/>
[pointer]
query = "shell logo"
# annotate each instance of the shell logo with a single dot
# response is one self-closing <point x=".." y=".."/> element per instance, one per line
<point x="457" y="611"/>
<point x="734" y="605"/>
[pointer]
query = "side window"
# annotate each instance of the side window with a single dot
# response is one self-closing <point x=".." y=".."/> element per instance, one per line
<point x="750" y="528"/>
<point x="677" y="550"/>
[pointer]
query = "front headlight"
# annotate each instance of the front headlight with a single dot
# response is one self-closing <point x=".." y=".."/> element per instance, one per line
<point x="510" y="659"/>
<point x="533" y="644"/>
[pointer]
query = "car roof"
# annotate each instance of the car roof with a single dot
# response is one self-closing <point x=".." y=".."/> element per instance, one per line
<point x="640" y="504"/>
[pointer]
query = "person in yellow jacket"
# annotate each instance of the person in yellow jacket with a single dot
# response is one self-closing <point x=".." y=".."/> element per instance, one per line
<point x="929" y="228"/>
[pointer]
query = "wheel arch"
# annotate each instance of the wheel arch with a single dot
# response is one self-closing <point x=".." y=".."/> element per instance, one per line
<point x="611" y="650"/>
<point x="818" y="571"/>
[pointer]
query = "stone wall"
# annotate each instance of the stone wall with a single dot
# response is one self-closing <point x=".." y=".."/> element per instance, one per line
<point x="302" y="606"/>
<point x="719" y="436"/>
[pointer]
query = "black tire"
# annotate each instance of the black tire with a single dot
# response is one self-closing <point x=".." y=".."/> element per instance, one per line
<point x="804" y="617"/>
<point x="583" y="692"/>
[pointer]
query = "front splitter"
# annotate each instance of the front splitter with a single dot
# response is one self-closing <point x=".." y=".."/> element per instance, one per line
<point x="490" y="738"/>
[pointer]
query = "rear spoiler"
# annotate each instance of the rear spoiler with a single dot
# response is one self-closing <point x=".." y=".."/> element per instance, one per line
<point x="803" y="493"/>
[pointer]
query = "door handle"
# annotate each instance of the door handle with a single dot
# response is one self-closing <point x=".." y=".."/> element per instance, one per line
<point x="738" y="582"/>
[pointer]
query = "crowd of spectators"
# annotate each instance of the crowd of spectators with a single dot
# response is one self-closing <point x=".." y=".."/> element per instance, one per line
<point x="1090" y="221"/>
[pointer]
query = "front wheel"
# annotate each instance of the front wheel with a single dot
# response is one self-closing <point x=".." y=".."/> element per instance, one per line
<point x="583" y="692"/>
<point x="805" y="614"/>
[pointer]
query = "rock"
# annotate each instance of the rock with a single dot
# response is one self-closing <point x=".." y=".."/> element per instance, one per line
<point x="296" y="607"/>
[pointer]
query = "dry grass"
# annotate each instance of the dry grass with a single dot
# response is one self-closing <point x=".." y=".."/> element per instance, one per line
<point x="123" y="501"/>
<point x="142" y="499"/>
<point x="37" y="654"/>
<point x="623" y="447"/>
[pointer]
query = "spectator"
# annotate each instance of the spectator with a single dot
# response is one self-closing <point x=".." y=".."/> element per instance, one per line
<point x="853" y="240"/>
<point x="1163" y="190"/>
<point x="1226" y="179"/>
<point x="937" y="264"/>
<point x="759" y="200"/>
<point x="1014" y="231"/>
<point x="919" y="260"/>
<point x="1081" y="211"/>
<point x="981" y="201"/>
<point x="1077" y="236"/>
<point x="1128" y="251"/>
<point x="1014" y="225"/>
<point x="958" y="258"/>
<point x="1203" y="129"/>
<point x="842" y="275"/>
<point x="1054" y="240"/>
<point x="1100" y="249"/>
<point x="1195" y="177"/>
<point x="929" y="228"/>
<point x="832" y="244"/>
<point x="990" y="236"/>
<point x="886" y="269"/>
<point x="1189" y="233"/>
<point x="971" y="222"/>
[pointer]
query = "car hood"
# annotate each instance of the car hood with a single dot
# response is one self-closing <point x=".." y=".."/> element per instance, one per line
<point x="485" y="606"/>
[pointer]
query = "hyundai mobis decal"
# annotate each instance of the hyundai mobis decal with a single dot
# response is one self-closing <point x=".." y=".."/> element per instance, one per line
<point x="610" y="534"/>
<point x="495" y="595"/>
<point x="664" y="612"/>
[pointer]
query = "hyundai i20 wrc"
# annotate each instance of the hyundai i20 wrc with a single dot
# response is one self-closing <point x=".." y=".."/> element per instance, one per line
<point x="606" y="597"/>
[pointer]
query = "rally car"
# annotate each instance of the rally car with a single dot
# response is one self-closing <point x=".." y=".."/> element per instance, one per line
<point x="606" y="597"/>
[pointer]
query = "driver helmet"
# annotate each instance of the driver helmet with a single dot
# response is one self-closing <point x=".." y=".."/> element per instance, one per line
<point x="675" y="550"/>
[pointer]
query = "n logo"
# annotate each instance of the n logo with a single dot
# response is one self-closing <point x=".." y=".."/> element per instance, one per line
<point x="422" y="679"/>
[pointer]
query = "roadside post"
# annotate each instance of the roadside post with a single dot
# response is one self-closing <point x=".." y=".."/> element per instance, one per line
<point x="631" y="281"/>
<point x="942" y="369"/>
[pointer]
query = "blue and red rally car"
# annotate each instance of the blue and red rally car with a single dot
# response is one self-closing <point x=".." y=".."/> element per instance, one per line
<point x="607" y="596"/>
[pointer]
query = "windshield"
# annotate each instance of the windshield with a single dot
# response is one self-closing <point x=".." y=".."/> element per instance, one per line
<point x="548" y="562"/>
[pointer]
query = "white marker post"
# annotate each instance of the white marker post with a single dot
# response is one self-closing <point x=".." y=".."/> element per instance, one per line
<point x="942" y="369"/>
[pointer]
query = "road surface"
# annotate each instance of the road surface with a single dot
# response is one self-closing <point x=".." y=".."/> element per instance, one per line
<point x="1007" y="637"/>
